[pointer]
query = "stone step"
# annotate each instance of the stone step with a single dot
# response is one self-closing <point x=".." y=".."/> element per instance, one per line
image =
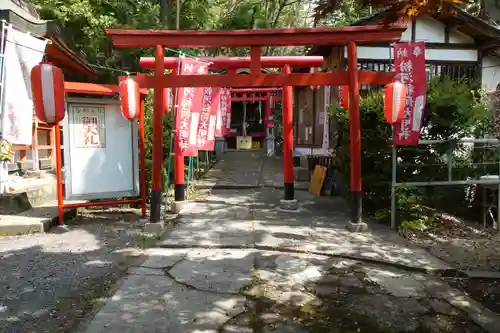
<point x="34" y="220"/>
<point x="32" y="206"/>
<point x="32" y="191"/>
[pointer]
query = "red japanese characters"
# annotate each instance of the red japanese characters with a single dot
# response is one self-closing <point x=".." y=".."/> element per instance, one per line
<point x="409" y="65"/>
<point x="130" y="98"/>
<point x="208" y="119"/>
<point x="394" y="102"/>
<point x="47" y="84"/>
<point x="190" y="104"/>
<point x="225" y="113"/>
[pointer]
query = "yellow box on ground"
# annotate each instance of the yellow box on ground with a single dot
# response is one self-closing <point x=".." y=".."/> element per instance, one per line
<point x="317" y="179"/>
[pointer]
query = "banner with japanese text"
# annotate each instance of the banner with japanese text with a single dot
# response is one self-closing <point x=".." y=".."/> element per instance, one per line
<point x="225" y="104"/>
<point x="22" y="52"/>
<point x="208" y="119"/>
<point x="409" y="64"/>
<point x="220" y="114"/>
<point x="189" y="101"/>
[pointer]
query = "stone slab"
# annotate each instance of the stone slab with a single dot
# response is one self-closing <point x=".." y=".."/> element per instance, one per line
<point x="219" y="271"/>
<point x="163" y="258"/>
<point x="396" y="282"/>
<point x="150" y="303"/>
<point x="211" y="233"/>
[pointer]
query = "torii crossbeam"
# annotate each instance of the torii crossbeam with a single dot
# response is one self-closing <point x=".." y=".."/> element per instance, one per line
<point x="255" y="39"/>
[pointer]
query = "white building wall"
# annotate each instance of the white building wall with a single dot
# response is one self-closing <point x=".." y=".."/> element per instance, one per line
<point x="491" y="73"/>
<point x="456" y="37"/>
<point x="431" y="31"/>
<point x="383" y="53"/>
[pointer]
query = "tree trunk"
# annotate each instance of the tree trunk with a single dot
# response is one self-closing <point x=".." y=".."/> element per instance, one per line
<point x="166" y="13"/>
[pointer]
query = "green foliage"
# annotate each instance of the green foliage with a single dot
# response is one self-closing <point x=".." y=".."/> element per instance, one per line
<point x="85" y="21"/>
<point x="453" y="111"/>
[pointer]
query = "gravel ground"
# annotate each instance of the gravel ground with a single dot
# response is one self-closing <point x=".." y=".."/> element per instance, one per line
<point x="50" y="282"/>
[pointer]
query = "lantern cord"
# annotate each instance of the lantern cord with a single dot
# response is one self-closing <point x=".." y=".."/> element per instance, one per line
<point x="27" y="47"/>
<point x="128" y="73"/>
<point x="182" y="54"/>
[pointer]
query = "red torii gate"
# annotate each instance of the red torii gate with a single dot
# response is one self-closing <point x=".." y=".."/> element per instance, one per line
<point x="232" y="64"/>
<point x="255" y="39"/>
<point x="267" y="98"/>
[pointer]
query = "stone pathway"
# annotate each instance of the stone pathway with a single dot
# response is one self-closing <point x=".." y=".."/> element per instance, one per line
<point x="246" y="169"/>
<point x="236" y="170"/>
<point x="235" y="263"/>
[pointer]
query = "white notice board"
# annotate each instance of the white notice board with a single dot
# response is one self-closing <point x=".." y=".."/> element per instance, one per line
<point x="101" y="155"/>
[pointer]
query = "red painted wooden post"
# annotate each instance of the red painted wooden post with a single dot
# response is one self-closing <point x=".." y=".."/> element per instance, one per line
<point x="288" y="139"/>
<point x="354" y="131"/>
<point x="179" y="190"/>
<point x="255" y="65"/>
<point x="157" y="193"/>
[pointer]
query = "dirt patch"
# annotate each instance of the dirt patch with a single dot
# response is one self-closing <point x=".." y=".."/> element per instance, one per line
<point x="485" y="291"/>
<point x="465" y="246"/>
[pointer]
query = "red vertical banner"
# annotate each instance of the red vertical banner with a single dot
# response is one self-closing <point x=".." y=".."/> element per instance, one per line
<point x="221" y="114"/>
<point x="208" y="119"/>
<point x="409" y="64"/>
<point x="189" y="101"/>
<point x="225" y="104"/>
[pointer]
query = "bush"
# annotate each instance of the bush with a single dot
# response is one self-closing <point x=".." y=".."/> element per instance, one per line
<point x="148" y="142"/>
<point x="453" y="111"/>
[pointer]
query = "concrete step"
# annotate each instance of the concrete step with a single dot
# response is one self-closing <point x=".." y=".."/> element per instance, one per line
<point x="35" y="190"/>
<point x="34" y="220"/>
<point x="32" y="207"/>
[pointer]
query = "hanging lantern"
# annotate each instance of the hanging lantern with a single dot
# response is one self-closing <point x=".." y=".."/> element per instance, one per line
<point x="47" y="85"/>
<point x="130" y="97"/>
<point x="394" y="102"/>
<point x="344" y="97"/>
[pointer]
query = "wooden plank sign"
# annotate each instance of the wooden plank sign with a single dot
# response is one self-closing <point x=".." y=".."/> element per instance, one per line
<point x="317" y="180"/>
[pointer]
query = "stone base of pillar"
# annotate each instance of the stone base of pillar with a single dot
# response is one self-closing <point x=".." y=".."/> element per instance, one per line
<point x="289" y="204"/>
<point x="357" y="227"/>
<point x="154" y="228"/>
<point x="177" y="207"/>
